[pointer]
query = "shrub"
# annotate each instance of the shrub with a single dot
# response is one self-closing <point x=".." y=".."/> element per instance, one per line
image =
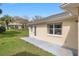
<point x="2" y="29"/>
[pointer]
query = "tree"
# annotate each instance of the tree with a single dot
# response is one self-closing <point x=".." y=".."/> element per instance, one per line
<point x="37" y="18"/>
<point x="0" y="11"/>
<point x="6" y="19"/>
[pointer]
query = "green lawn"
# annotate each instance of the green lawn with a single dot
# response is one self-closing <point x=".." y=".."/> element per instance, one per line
<point x="11" y="44"/>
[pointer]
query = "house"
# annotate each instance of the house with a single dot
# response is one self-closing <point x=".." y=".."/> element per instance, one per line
<point x="15" y="25"/>
<point x="18" y="23"/>
<point x="60" y="29"/>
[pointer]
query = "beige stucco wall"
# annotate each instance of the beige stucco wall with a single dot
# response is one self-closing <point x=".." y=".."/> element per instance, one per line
<point x="73" y="10"/>
<point x="78" y="31"/>
<point x="70" y="34"/>
<point x="69" y="37"/>
<point x="78" y="35"/>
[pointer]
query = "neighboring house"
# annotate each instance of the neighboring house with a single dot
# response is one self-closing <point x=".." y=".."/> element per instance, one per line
<point x="60" y="29"/>
<point x="15" y="26"/>
<point x="18" y="23"/>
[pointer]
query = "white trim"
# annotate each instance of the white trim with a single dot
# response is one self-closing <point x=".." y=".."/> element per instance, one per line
<point x="53" y="35"/>
<point x="54" y="30"/>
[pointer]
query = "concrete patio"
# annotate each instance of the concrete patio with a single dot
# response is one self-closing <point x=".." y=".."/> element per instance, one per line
<point x="52" y="48"/>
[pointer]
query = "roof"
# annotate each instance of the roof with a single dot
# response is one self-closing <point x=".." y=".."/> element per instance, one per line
<point x="71" y="7"/>
<point x="64" y="5"/>
<point x="56" y="17"/>
<point x="15" y="24"/>
<point x="18" y="19"/>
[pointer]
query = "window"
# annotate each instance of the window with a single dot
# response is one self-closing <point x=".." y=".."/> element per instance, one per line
<point x="16" y="26"/>
<point x="50" y="28"/>
<point x="55" y="28"/>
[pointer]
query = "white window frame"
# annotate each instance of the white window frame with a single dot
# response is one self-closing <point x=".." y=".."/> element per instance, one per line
<point x="54" y="29"/>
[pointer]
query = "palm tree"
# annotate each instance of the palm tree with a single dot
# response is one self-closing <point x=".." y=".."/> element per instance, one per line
<point x="6" y="19"/>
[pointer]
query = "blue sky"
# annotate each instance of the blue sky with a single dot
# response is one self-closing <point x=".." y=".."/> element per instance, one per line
<point x="31" y="9"/>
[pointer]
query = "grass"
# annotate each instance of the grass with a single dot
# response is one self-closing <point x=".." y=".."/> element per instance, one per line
<point x="12" y="45"/>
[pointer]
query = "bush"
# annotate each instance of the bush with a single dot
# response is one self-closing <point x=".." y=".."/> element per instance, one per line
<point x="2" y="29"/>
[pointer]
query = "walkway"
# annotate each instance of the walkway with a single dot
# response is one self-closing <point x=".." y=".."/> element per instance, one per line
<point x="52" y="48"/>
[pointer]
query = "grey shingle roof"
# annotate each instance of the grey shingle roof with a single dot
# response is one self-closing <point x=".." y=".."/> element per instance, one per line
<point x="56" y="17"/>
